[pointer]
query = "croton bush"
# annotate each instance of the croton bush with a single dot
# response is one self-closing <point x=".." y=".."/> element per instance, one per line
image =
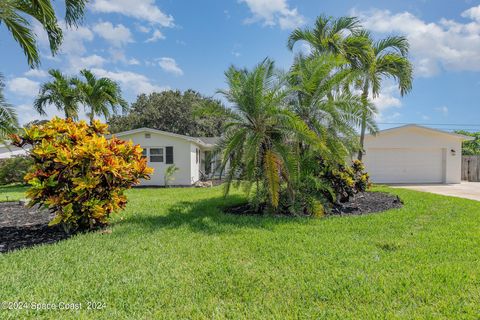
<point x="78" y="173"/>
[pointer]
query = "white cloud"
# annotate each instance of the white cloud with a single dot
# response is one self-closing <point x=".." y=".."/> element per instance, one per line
<point x="444" y="44"/>
<point x="36" y="73"/>
<point x="443" y="110"/>
<point x="117" y="35"/>
<point x="156" y="35"/>
<point x="23" y="87"/>
<point x="387" y="99"/>
<point x="73" y="38"/>
<point x="133" y="62"/>
<point x="28" y="113"/>
<point x="130" y="81"/>
<point x="92" y="61"/>
<point x="169" y="65"/>
<point x="274" y="12"/>
<point x="472" y="13"/>
<point x="145" y="10"/>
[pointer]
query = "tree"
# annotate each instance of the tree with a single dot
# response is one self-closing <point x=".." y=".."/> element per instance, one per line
<point x="101" y="96"/>
<point x="61" y="92"/>
<point x="320" y="98"/>
<point x="342" y="36"/>
<point x="8" y="117"/>
<point x="16" y="15"/>
<point x="389" y="59"/>
<point x="187" y="113"/>
<point x="255" y="143"/>
<point x="470" y="148"/>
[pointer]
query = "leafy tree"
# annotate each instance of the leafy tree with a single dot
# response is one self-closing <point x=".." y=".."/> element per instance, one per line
<point x="257" y="133"/>
<point x="389" y="59"/>
<point x="8" y="117"/>
<point x="187" y="113"/>
<point x="61" y="92"/>
<point x="341" y="36"/>
<point x="101" y="96"/>
<point x="16" y="15"/>
<point x="372" y="61"/>
<point x="319" y="98"/>
<point x="470" y="148"/>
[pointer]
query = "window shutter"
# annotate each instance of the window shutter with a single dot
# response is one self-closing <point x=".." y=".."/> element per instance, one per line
<point x="169" y="155"/>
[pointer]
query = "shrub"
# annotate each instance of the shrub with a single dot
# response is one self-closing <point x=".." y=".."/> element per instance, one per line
<point x="347" y="181"/>
<point x="13" y="170"/>
<point x="78" y="173"/>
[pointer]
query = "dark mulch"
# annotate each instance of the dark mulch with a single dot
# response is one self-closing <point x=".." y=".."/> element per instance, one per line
<point x="22" y="227"/>
<point x="362" y="203"/>
<point x="367" y="202"/>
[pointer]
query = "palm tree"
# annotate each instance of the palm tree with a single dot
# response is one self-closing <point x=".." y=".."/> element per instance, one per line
<point x="342" y="36"/>
<point x="320" y="97"/>
<point x="8" y="117"/>
<point x="61" y="92"/>
<point x="102" y="96"/>
<point x="255" y="143"/>
<point x="389" y="59"/>
<point x="16" y="15"/>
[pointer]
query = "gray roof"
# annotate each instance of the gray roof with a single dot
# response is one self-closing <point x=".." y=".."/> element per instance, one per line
<point x="209" y="140"/>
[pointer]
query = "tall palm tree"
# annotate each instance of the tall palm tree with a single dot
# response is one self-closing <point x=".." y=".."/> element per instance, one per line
<point x="341" y="36"/>
<point x="320" y="97"/>
<point x="256" y="137"/>
<point x="8" y="117"/>
<point x="102" y="96"/>
<point x="17" y="16"/>
<point x="61" y="92"/>
<point x="389" y="59"/>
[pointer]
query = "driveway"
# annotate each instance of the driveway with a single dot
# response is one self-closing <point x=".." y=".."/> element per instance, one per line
<point x="467" y="190"/>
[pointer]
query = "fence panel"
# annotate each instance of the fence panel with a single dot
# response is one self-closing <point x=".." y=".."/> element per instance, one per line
<point x="471" y="168"/>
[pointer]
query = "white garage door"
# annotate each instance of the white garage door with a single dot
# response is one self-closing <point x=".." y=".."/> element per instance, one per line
<point x="405" y="165"/>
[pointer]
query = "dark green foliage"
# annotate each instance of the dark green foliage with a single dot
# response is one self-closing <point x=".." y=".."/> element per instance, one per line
<point x="470" y="148"/>
<point x="346" y="181"/>
<point x="188" y="113"/>
<point x="14" y="169"/>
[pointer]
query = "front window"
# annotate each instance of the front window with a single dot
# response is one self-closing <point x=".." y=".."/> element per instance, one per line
<point x="144" y="153"/>
<point x="156" y="154"/>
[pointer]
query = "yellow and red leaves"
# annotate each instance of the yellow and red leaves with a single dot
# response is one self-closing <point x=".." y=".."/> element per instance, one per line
<point x="79" y="173"/>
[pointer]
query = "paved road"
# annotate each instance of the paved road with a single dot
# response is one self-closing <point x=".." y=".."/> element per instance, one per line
<point x="467" y="190"/>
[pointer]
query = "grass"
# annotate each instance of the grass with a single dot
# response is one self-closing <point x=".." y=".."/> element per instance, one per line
<point x="12" y="192"/>
<point x="176" y="255"/>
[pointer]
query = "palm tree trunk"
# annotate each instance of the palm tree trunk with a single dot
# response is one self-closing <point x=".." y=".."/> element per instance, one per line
<point x="364" y="120"/>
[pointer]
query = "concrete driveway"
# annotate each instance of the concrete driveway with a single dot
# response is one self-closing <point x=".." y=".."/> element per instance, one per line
<point x="467" y="190"/>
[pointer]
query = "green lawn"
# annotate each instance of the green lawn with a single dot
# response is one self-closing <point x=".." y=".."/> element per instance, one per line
<point x="176" y="256"/>
<point x="12" y="192"/>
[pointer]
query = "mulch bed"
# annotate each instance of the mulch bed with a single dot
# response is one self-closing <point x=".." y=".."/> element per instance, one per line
<point x="362" y="203"/>
<point x="367" y="202"/>
<point x="22" y="227"/>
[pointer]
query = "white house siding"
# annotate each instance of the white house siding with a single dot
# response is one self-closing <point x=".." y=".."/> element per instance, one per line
<point x="11" y="151"/>
<point x="181" y="157"/>
<point x="413" y="154"/>
<point x="194" y="164"/>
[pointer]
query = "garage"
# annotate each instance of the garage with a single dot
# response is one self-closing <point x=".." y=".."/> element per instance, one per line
<point x="414" y="154"/>
<point x="405" y="165"/>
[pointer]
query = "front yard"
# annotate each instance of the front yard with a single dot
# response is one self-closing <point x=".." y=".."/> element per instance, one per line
<point x="174" y="254"/>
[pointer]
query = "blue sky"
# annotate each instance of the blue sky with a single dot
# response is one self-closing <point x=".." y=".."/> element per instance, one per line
<point x="151" y="45"/>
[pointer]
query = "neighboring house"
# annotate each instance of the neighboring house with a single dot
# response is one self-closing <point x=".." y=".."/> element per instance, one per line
<point x="414" y="154"/>
<point x="192" y="155"/>
<point x="9" y="151"/>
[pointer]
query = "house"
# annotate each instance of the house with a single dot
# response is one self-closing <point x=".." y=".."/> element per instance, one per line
<point x="414" y="154"/>
<point x="9" y="151"/>
<point x="193" y="156"/>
